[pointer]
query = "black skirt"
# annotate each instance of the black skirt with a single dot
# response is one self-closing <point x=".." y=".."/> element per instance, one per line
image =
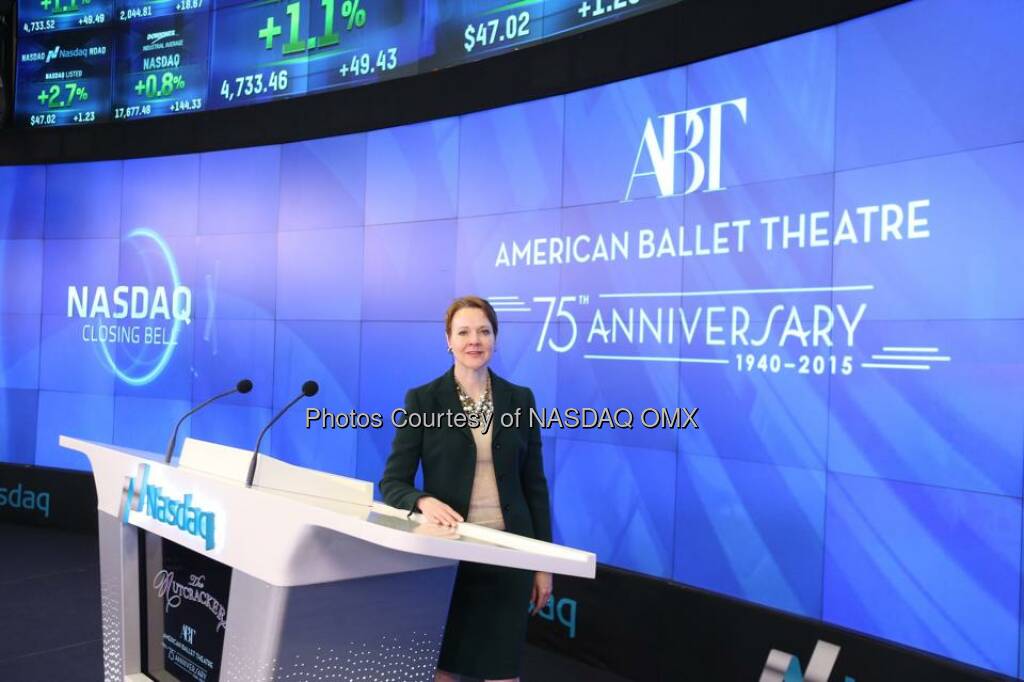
<point x="487" y="620"/>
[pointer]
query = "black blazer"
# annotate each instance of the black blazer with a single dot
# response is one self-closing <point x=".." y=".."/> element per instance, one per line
<point x="449" y="457"/>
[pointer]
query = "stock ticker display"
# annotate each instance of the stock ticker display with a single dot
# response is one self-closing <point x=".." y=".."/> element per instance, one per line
<point x="64" y="78"/>
<point x="817" y="242"/>
<point x="145" y="58"/>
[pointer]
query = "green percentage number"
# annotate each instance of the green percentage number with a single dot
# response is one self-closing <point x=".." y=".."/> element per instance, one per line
<point x="56" y="97"/>
<point x="350" y="10"/>
<point x="162" y="85"/>
<point x="355" y="14"/>
<point x="58" y="7"/>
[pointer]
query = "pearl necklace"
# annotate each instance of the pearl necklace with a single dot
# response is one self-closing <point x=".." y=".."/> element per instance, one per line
<point x="483" y="407"/>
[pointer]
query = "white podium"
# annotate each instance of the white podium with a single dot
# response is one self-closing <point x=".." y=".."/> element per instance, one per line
<point x="301" y="577"/>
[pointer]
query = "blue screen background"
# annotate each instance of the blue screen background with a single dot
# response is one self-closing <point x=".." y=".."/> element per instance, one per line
<point x="883" y="499"/>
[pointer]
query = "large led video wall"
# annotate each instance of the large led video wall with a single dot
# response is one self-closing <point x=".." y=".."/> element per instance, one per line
<point x="816" y="242"/>
<point x="89" y="61"/>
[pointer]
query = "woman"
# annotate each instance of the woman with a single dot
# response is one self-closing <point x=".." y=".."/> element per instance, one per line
<point x="491" y="475"/>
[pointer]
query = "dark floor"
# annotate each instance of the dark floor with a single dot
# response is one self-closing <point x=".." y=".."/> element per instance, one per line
<point x="50" y="613"/>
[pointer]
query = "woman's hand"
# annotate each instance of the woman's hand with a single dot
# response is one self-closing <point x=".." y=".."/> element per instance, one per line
<point x="436" y="531"/>
<point x="541" y="590"/>
<point x="436" y="511"/>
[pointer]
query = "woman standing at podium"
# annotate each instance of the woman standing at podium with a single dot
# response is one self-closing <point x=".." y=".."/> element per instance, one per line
<point x="488" y="476"/>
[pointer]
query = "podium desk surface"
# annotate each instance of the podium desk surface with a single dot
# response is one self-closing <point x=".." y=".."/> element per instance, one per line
<point x="295" y="526"/>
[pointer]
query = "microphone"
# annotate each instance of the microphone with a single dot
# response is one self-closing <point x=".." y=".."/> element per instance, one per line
<point x="243" y="386"/>
<point x="309" y="389"/>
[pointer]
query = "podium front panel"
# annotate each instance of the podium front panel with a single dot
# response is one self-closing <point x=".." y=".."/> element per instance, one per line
<point x="158" y="595"/>
<point x="184" y="604"/>
<point x="385" y="627"/>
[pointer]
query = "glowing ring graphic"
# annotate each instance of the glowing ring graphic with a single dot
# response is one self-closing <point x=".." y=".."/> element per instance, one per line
<point x="165" y="357"/>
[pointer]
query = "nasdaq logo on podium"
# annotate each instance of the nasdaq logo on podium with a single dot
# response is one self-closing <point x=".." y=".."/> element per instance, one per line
<point x="783" y="667"/>
<point x="692" y="134"/>
<point x="147" y="501"/>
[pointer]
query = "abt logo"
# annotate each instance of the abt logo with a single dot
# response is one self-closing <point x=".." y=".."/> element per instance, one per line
<point x="783" y="667"/>
<point x="683" y="134"/>
<point x="188" y="633"/>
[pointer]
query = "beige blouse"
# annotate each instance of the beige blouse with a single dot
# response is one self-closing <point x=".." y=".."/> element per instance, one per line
<point x="484" y="501"/>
